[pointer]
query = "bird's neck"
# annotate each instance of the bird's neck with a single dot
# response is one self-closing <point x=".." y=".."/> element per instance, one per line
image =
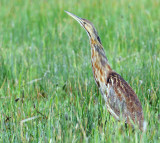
<point x="99" y="60"/>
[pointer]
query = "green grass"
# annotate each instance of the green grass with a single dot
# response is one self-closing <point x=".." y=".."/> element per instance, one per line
<point x="38" y="40"/>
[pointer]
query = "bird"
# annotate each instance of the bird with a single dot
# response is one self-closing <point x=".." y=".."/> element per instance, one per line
<point x="120" y="99"/>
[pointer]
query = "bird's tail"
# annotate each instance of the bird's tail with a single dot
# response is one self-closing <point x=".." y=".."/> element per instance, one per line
<point x="144" y="125"/>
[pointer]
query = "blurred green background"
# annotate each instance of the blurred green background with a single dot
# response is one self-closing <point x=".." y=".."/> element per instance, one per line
<point x="47" y="89"/>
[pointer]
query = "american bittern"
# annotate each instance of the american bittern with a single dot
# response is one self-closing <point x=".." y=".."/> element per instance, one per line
<point x="121" y="101"/>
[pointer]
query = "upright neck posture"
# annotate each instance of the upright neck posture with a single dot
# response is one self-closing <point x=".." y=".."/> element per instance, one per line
<point x="100" y="65"/>
<point x="121" y="101"/>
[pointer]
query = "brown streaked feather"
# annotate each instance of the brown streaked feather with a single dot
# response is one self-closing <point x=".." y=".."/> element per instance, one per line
<point x="123" y="99"/>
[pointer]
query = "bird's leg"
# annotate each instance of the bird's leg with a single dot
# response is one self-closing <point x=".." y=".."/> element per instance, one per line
<point x="109" y="119"/>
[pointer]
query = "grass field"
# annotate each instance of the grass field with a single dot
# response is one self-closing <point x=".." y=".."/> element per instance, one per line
<point x="47" y="90"/>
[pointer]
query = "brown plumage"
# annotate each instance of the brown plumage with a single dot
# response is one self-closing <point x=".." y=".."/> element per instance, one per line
<point x="121" y="101"/>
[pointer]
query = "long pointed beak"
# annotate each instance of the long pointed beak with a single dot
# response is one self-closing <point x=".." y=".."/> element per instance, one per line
<point x="80" y="20"/>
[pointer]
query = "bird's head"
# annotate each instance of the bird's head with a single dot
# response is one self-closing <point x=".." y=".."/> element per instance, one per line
<point x="87" y="25"/>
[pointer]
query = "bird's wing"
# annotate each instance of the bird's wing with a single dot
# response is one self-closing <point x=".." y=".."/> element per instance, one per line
<point x="122" y="99"/>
